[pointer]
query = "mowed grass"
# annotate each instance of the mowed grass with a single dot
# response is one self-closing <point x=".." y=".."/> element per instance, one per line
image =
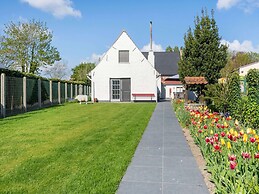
<point x="70" y="149"/>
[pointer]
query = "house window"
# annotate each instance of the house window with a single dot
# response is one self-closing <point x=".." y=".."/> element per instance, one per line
<point x="115" y="89"/>
<point x="124" y="56"/>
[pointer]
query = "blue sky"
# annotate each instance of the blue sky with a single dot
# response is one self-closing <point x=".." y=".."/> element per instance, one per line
<point x="84" y="29"/>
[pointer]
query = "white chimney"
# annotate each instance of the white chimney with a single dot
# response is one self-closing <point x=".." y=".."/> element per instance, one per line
<point x="151" y="56"/>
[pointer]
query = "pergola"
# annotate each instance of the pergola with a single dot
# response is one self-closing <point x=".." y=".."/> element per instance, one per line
<point x="193" y="81"/>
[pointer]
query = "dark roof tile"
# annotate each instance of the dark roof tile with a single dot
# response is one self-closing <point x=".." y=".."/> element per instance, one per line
<point x="166" y="63"/>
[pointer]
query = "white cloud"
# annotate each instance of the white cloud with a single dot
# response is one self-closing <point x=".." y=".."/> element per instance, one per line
<point x="94" y="58"/>
<point x="58" y="8"/>
<point x="226" y="4"/>
<point x="245" y="46"/>
<point x="155" y="47"/>
<point x="246" y="5"/>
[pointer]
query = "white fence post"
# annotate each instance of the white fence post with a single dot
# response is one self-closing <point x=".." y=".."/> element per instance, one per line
<point x="2" y="103"/>
<point x="76" y="90"/>
<point x="39" y="92"/>
<point x="65" y="92"/>
<point x="71" y="90"/>
<point x="59" y="96"/>
<point x="50" y="92"/>
<point x="24" y="94"/>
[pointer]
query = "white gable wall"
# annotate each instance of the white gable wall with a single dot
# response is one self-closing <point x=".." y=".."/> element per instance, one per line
<point x="139" y="70"/>
<point x="244" y="69"/>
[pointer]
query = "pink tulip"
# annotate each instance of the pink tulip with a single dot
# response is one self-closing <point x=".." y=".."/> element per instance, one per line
<point x="232" y="157"/>
<point x="246" y="155"/>
<point x="233" y="165"/>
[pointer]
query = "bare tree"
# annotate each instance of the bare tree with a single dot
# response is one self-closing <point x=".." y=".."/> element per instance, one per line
<point x="58" y="70"/>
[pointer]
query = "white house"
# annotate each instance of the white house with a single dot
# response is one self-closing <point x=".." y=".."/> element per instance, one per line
<point x="126" y="74"/>
<point x="243" y="70"/>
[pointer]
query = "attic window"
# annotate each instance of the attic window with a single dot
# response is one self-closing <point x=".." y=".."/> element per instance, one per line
<point x="124" y="56"/>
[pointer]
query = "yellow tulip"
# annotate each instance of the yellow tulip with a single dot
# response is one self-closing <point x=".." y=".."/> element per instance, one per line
<point x="222" y="141"/>
<point x="245" y="138"/>
<point x="228" y="145"/>
<point x="253" y="132"/>
<point x="231" y="131"/>
<point x="225" y="124"/>
<point x="242" y="132"/>
<point x="249" y="130"/>
<point x="211" y="132"/>
<point x="235" y="133"/>
<point x="236" y="122"/>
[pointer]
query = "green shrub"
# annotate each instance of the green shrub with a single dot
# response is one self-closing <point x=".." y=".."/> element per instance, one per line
<point x="250" y="113"/>
<point x="234" y="95"/>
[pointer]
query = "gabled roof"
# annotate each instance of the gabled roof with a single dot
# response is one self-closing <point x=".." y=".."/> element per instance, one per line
<point x="195" y="80"/>
<point x="250" y="64"/>
<point x="166" y="63"/>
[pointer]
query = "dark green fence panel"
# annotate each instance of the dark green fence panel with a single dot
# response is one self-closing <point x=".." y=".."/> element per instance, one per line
<point x="54" y="92"/>
<point x="68" y="91"/>
<point x="45" y="93"/>
<point x="13" y="95"/>
<point x="62" y="92"/>
<point x="32" y="94"/>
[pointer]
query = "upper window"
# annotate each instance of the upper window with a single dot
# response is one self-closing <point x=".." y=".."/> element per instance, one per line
<point x="124" y="56"/>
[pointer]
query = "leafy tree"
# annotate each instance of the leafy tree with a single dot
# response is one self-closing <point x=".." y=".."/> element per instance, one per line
<point x="176" y="49"/>
<point x="27" y="46"/>
<point x="203" y="54"/>
<point x="236" y="60"/>
<point x="80" y="72"/>
<point x="169" y="49"/>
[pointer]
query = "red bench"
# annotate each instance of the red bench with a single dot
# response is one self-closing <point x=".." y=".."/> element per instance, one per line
<point x="135" y="95"/>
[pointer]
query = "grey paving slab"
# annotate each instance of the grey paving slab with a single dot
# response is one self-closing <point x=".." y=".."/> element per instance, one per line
<point x="149" y="151"/>
<point x="184" y="189"/>
<point x="143" y="174"/>
<point x="140" y="188"/>
<point x="147" y="161"/>
<point x="163" y="162"/>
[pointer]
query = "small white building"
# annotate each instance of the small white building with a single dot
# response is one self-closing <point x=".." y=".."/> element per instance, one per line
<point x="243" y="70"/>
<point x="126" y="74"/>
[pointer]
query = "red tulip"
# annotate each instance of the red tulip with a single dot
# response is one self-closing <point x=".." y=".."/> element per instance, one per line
<point x="252" y="139"/>
<point x="230" y="137"/>
<point x="200" y="131"/>
<point x="233" y="165"/>
<point x="205" y="127"/>
<point x="222" y="134"/>
<point x="207" y="139"/>
<point x="256" y="155"/>
<point x="218" y="125"/>
<point x="217" y="147"/>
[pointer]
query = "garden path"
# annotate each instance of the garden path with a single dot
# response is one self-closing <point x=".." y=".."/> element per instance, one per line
<point x="163" y="162"/>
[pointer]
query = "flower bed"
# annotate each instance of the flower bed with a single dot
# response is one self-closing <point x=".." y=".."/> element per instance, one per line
<point x="230" y="150"/>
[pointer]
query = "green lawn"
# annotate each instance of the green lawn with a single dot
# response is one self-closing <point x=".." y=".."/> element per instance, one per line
<point x="70" y="149"/>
